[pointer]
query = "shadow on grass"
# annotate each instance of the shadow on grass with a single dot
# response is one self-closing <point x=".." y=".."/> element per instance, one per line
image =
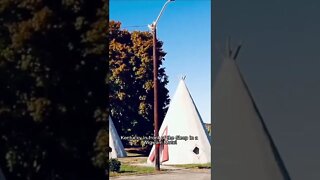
<point x="204" y="167"/>
<point x="138" y="151"/>
<point x="124" y="171"/>
<point x="136" y="155"/>
<point x="194" y="166"/>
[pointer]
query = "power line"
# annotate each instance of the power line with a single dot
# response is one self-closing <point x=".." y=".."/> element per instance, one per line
<point x="135" y="26"/>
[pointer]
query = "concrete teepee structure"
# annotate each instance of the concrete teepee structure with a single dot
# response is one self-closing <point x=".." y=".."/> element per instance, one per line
<point x="117" y="149"/>
<point x="183" y="119"/>
<point x="243" y="147"/>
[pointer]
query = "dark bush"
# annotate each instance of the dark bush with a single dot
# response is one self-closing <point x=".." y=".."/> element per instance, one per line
<point x="114" y="165"/>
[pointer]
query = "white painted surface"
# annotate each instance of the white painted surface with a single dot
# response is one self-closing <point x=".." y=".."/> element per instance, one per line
<point x="242" y="149"/>
<point x="115" y="142"/>
<point x="183" y="119"/>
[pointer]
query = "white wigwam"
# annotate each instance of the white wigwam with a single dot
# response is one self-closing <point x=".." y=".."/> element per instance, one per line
<point x="243" y="148"/>
<point x="183" y="119"/>
<point x="117" y="149"/>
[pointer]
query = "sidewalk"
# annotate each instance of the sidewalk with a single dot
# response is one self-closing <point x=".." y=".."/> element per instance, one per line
<point x="177" y="174"/>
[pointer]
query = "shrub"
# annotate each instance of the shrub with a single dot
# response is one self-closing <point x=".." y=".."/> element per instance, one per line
<point x="114" y="165"/>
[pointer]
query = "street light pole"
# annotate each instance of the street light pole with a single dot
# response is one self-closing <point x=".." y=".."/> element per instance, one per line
<point x="155" y="101"/>
<point x="153" y="28"/>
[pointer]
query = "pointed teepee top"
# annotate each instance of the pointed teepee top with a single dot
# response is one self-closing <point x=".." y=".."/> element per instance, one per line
<point x="243" y="146"/>
<point x="229" y="52"/>
<point x="182" y="92"/>
<point x="181" y="77"/>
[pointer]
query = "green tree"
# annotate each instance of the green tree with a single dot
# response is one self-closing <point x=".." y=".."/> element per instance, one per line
<point x="53" y="94"/>
<point x="130" y="80"/>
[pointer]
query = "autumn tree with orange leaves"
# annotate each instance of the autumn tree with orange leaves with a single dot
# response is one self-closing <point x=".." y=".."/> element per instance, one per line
<point x="130" y="80"/>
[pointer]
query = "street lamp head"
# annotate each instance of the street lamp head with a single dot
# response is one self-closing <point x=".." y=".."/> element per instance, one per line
<point x="171" y="0"/>
<point x="151" y="26"/>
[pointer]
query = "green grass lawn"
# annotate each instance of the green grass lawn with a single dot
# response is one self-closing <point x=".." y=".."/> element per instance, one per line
<point x="133" y="170"/>
<point x="133" y="160"/>
<point x="127" y="167"/>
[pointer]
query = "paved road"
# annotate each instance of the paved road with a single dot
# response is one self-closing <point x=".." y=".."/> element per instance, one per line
<point x="184" y="174"/>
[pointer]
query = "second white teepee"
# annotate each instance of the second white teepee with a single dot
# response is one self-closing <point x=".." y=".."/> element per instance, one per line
<point x="243" y="147"/>
<point x="183" y="119"/>
<point x="117" y="149"/>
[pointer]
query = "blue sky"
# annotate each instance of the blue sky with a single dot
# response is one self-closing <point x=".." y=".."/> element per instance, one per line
<point x="185" y="29"/>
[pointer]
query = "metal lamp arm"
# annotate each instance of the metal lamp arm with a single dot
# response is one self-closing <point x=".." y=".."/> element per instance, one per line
<point x="164" y="6"/>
